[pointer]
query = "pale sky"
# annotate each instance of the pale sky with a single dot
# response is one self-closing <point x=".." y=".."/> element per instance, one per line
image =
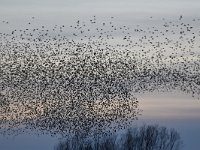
<point x="66" y="10"/>
<point x="50" y="12"/>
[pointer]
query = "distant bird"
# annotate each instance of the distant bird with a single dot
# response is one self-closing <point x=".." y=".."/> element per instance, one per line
<point x="180" y="17"/>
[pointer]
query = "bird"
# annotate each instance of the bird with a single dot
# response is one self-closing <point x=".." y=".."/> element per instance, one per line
<point x="180" y="17"/>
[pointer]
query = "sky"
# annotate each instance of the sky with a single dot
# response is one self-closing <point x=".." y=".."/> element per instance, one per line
<point x="49" y="12"/>
<point x="174" y="110"/>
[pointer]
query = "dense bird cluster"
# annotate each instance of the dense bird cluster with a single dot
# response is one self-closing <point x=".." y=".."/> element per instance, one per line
<point x="83" y="80"/>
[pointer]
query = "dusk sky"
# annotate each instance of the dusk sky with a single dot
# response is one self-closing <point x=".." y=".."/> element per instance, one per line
<point x="175" y="110"/>
<point x="60" y="11"/>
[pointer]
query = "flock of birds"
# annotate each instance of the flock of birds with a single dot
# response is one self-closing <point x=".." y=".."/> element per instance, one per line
<point x="84" y="80"/>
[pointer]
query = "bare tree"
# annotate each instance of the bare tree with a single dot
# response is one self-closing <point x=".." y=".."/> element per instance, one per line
<point x="146" y="137"/>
